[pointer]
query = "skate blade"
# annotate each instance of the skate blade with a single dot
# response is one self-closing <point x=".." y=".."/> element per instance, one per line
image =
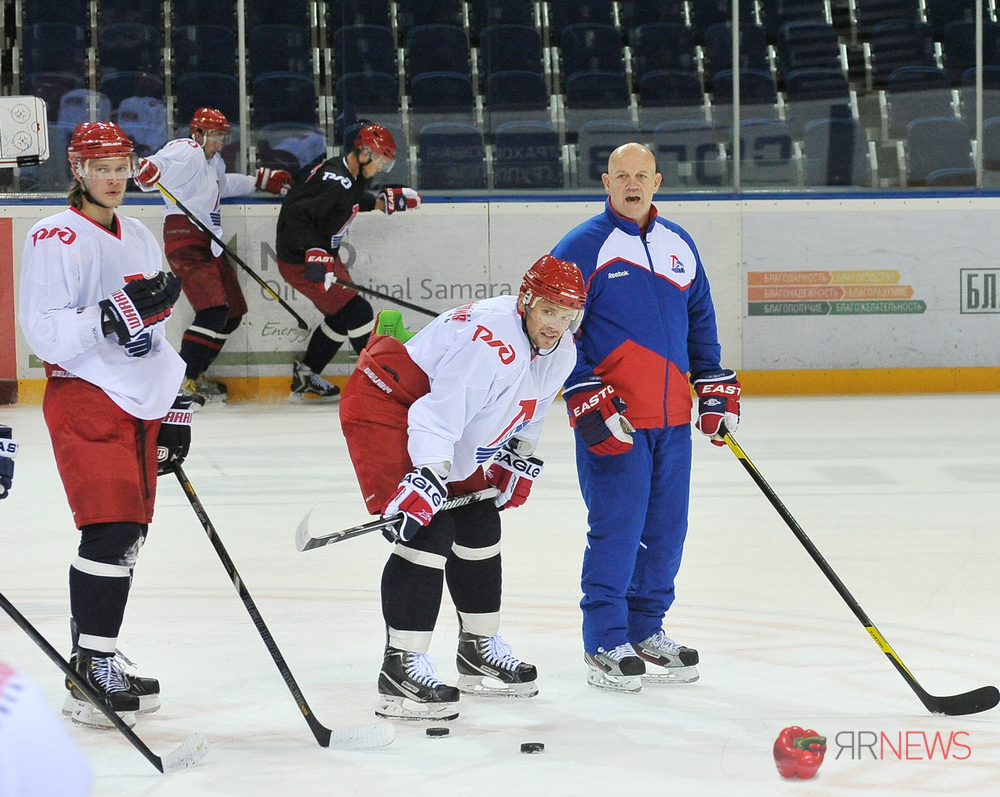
<point x="400" y="708"/>
<point x="614" y="683"/>
<point x="147" y="704"/>
<point x="670" y="675"/>
<point x="483" y="686"/>
<point x="92" y="717"/>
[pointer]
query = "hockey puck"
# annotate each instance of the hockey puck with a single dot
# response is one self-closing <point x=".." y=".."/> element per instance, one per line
<point x="532" y="747"/>
<point x="436" y="733"/>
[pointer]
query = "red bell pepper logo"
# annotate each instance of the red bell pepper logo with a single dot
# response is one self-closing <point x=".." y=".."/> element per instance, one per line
<point x="799" y="752"/>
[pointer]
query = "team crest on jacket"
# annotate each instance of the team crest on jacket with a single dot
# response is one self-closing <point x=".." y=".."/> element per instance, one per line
<point x="676" y="265"/>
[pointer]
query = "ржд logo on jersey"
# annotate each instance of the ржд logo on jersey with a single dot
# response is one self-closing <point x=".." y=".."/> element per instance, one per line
<point x="504" y="351"/>
<point x="64" y="234"/>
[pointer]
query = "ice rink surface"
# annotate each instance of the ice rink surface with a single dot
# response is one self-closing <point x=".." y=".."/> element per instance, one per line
<point x="900" y="494"/>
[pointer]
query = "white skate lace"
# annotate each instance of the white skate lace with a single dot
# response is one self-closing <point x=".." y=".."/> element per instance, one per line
<point x="498" y="653"/>
<point x="420" y="668"/>
<point x="619" y="653"/>
<point x="662" y="641"/>
<point x="109" y="674"/>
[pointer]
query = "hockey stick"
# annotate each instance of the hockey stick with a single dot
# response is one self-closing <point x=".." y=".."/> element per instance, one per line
<point x="363" y="737"/>
<point x="304" y="541"/>
<point x="982" y="699"/>
<point x="236" y="258"/>
<point x="190" y="752"/>
<point x="372" y="292"/>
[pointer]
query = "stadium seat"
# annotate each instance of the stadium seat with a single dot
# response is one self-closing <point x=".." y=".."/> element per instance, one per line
<point x="898" y="43"/>
<point x="991" y="94"/>
<point x="441" y="96"/>
<point x="766" y="153"/>
<point x="936" y="143"/>
<point x="485" y="13"/>
<point x="414" y="13"/>
<point x="292" y="146"/>
<point x="276" y="12"/>
<point x="513" y="96"/>
<point x="204" y="48"/>
<point x="941" y="12"/>
<point x="835" y="153"/>
<point x="914" y="92"/>
<point x="212" y="89"/>
<point x="51" y="86"/>
<point x="563" y="13"/>
<point x="53" y="47"/>
<point x="688" y="154"/>
<point x="198" y="12"/>
<point x="144" y="119"/>
<point x="719" y="48"/>
<point x="436" y="48"/>
<point x="283" y="97"/>
<point x="84" y="105"/>
<point x="777" y="13"/>
<point x="509" y="47"/>
<point x="758" y="96"/>
<point x="364" y="48"/>
<point x="705" y="13"/>
<point x="279" y="48"/>
<point x="802" y="45"/>
<point x="129" y="46"/>
<point x="597" y="139"/>
<point x="869" y="13"/>
<point x="70" y="12"/>
<point x="659" y="46"/>
<point x="119" y="85"/>
<point x="451" y="156"/>
<point x="959" y="47"/>
<point x="814" y="94"/>
<point x="592" y="96"/>
<point x="368" y="93"/>
<point x="527" y="155"/>
<point x="591" y="48"/>
<point x="669" y="95"/>
<point x="633" y="14"/>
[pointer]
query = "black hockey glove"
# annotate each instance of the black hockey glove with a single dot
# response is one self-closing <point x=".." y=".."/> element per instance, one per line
<point x="140" y="304"/>
<point x="174" y="439"/>
<point x="8" y="450"/>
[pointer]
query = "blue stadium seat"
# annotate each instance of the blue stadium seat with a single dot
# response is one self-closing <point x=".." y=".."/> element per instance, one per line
<point x="914" y="92"/>
<point x="527" y="155"/>
<point x="119" y="85"/>
<point x="936" y="143"/>
<point x="283" y="97"/>
<point x="70" y="12"/>
<point x="509" y="47"/>
<point x="719" y="48"/>
<point x="451" y="156"/>
<point x="563" y="13"/>
<point x="439" y="94"/>
<point x="51" y="86"/>
<point x="766" y="153"/>
<point x="592" y="96"/>
<point x="591" y="48"/>
<point x="869" y="13"/>
<point x="144" y="119"/>
<point x="146" y="12"/>
<point x="802" y="45"/>
<point x="368" y="93"/>
<point x="364" y="48"/>
<point x="815" y="93"/>
<point x="670" y="96"/>
<point x="777" y="13"/>
<point x="204" y="48"/>
<point x="597" y="139"/>
<point x="632" y="14"/>
<point x="277" y="12"/>
<point x="835" y="153"/>
<point x="758" y="96"/>
<point x="515" y="95"/>
<point x="356" y="12"/>
<point x="207" y="89"/>
<point x="991" y="94"/>
<point x="659" y="46"/>
<point x="485" y="13"/>
<point x="84" y="105"/>
<point x="898" y="43"/>
<point x="705" y="13"/>
<point x="413" y="13"/>
<point x="53" y="47"/>
<point x="279" y="48"/>
<point x="198" y="12"/>
<point x="688" y="154"/>
<point x="129" y="46"/>
<point x="941" y="12"/>
<point x="959" y="47"/>
<point x="436" y="48"/>
<point x="991" y="152"/>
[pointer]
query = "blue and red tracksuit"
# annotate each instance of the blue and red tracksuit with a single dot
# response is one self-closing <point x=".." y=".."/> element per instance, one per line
<point x="649" y="323"/>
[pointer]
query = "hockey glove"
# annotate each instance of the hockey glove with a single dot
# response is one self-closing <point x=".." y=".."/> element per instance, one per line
<point x="596" y="412"/>
<point x="149" y="173"/>
<point x="140" y="345"/>
<point x="319" y="266"/>
<point x="174" y="440"/>
<point x="420" y="494"/>
<point x="274" y="181"/>
<point x="718" y="404"/>
<point x="140" y="304"/>
<point x="396" y="197"/>
<point x="512" y="474"/>
<point x="8" y="450"/>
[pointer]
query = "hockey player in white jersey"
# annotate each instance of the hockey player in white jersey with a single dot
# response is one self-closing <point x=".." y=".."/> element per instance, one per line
<point x="193" y="171"/>
<point x="422" y="420"/>
<point x="92" y="302"/>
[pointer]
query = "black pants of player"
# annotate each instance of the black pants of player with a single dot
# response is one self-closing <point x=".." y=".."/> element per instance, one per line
<point x="353" y="322"/>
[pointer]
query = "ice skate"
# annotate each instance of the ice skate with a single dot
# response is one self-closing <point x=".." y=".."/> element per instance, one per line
<point x="146" y="689"/>
<point x="675" y="664"/>
<point x="619" y="670"/>
<point x="309" y="387"/>
<point x="189" y="389"/>
<point x="408" y="689"/>
<point x="488" y="667"/>
<point x="105" y="676"/>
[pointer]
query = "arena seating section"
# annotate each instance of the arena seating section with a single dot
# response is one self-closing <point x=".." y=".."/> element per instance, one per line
<point x="527" y="95"/>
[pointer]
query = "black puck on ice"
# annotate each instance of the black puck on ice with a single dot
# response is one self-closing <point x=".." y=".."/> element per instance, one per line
<point x="436" y="733"/>
<point x="532" y="747"/>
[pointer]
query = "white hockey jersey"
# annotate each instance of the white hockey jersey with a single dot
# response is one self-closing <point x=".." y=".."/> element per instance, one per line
<point x="70" y="264"/>
<point x="200" y="184"/>
<point x="485" y="385"/>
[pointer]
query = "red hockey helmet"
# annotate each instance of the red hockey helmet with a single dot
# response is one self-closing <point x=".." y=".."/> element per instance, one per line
<point x="557" y="281"/>
<point x="95" y="140"/>
<point x="209" y="119"/>
<point x="379" y="141"/>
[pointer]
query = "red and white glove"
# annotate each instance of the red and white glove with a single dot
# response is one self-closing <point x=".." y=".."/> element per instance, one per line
<point x="596" y="412"/>
<point x="319" y="266"/>
<point x="419" y="496"/>
<point x="718" y="404"/>
<point x="512" y="474"/>
<point x="149" y="173"/>
<point x="274" y="181"/>
<point x="396" y="197"/>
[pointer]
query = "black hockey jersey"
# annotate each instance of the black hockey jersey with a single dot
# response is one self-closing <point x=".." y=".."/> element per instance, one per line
<point x="317" y="211"/>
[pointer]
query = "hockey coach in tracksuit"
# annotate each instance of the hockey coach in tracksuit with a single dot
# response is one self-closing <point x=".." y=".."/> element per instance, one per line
<point x="649" y="327"/>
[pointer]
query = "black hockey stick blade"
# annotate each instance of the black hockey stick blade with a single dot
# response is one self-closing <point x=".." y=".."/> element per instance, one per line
<point x="304" y="541"/>
<point x="360" y="738"/>
<point x="190" y="752"/>
<point x="982" y="699"/>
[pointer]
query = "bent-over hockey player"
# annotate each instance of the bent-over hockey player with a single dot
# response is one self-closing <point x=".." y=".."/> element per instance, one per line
<point x="193" y="171"/>
<point x="314" y="219"/>
<point x="468" y="391"/>
<point x="92" y="299"/>
<point x="650" y="323"/>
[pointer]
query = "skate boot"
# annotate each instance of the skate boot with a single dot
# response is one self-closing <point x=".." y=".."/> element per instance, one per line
<point x="675" y="663"/>
<point x="146" y="689"/>
<point x="214" y="392"/>
<point x="619" y="670"/>
<point x="105" y="677"/>
<point x="488" y="667"/>
<point x="189" y="389"/>
<point x="309" y="387"/>
<point x="408" y="689"/>
<point x="390" y="322"/>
